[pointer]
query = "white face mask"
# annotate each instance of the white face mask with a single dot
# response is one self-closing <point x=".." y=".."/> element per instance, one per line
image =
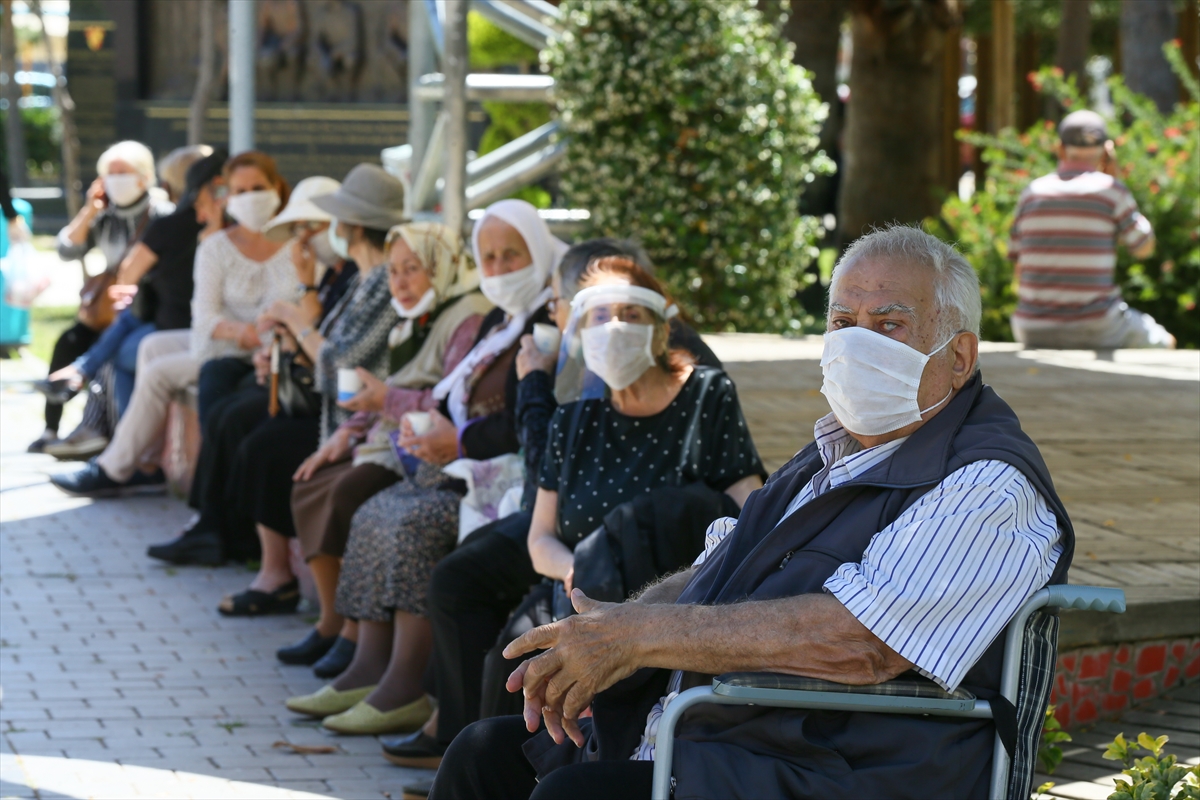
<point x="123" y="189"/>
<point x="871" y="381"/>
<point x="424" y="304"/>
<point x="618" y="352"/>
<point x="339" y="244"/>
<point x="253" y="210"/>
<point x="323" y="250"/>
<point x="513" y="291"/>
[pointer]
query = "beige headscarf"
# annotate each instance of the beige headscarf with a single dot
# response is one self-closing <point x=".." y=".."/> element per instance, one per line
<point x="452" y="274"/>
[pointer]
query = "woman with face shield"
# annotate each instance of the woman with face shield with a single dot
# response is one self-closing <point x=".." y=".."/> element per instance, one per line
<point x="664" y="422"/>
<point x="398" y="535"/>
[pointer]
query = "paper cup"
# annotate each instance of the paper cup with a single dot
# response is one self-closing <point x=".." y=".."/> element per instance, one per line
<point x="546" y="338"/>
<point x="349" y="384"/>
<point x="421" y="422"/>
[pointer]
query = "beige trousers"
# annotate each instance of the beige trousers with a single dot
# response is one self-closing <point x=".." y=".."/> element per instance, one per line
<point x="164" y="366"/>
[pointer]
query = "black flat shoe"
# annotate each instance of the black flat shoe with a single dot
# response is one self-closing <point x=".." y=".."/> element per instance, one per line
<point x="307" y="651"/>
<point x="191" y="547"/>
<point x="416" y="750"/>
<point x="253" y="603"/>
<point x="56" y="392"/>
<point x="334" y="662"/>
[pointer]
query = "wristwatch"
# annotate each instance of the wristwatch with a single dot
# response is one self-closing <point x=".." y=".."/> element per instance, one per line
<point x="308" y="287"/>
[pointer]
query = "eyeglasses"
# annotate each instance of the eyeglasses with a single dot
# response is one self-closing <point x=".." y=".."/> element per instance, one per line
<point x="307" y="226"/>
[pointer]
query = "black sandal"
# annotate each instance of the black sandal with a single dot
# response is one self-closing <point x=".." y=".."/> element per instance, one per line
<point x="253" y="603"/>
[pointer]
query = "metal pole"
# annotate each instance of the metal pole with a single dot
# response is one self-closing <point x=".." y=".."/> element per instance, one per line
<point x="421" y="113"/>
<point x="241" y="75"/>
<point x="455" y="105"/>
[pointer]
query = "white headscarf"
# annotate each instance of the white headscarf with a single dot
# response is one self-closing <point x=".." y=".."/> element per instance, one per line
<point x="545" y="250"/>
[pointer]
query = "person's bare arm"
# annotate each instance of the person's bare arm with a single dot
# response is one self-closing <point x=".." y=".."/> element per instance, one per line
<point x="1146" y="248"/>
<point x="133" y="268"/>
<point x="742" y="490"/>
<point x="550" y="556"/>
<point x="810" y="635"/>
<point x="665" y="590"/>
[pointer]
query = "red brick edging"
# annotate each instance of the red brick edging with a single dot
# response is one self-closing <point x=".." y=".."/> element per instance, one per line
<point x="1093" y="683"/>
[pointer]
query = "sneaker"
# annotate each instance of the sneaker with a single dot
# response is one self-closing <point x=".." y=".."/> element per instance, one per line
<point x="92" y="481"/>
<point x="83" y="443"/>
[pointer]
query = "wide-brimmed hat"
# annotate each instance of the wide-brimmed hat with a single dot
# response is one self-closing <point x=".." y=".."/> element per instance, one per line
<point x="369" y="196"/>
<point x="301" y="208"/>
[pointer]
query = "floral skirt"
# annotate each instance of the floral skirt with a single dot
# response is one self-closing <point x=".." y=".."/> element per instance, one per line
<point x="396" y="539"/>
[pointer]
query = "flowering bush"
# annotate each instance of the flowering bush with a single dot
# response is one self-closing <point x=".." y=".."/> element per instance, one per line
<point x="692" y="132"/>
<point x="1158" y="157"/>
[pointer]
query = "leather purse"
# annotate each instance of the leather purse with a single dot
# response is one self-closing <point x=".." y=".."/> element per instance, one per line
<point x="298" y="396"/>
<point x="95" y="305"/>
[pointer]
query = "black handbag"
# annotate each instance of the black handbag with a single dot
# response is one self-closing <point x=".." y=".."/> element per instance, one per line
<point x="298" y="396"/>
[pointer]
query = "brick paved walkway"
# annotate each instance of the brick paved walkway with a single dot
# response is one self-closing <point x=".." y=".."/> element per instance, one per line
<point x="120" y="679"/>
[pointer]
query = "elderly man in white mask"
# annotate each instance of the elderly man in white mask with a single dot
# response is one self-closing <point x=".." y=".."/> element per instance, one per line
<point x="904" y="538"/>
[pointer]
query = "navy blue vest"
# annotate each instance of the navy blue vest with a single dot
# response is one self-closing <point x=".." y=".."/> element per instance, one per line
<point x="726" y="752"/>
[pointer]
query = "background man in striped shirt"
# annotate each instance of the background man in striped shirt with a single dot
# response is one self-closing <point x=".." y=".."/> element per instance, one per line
<point x="901" y="541"/>
<point x="1064" y="241"/>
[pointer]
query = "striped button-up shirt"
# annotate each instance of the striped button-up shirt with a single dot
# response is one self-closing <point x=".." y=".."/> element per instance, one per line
<point x="940" y="583"/>
<point x="1064" y="240"/>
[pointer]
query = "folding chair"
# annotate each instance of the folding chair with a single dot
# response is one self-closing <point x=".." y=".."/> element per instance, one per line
<point x="1030" y="652"/>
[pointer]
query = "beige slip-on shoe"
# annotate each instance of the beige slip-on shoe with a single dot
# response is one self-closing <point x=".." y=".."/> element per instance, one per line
<point x="366" y="720"/>
<point x="327" y="700"/>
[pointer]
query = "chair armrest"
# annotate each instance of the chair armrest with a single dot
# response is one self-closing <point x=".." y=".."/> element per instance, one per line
<point x="1092" y="598"/>
<point x="902" y="696"/>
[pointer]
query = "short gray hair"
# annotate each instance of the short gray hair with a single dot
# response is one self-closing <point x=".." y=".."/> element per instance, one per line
<point x="955" y="284"/>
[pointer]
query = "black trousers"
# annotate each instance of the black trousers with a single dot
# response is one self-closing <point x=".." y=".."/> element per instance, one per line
<point x="73" y="343"/>
<point x="472" y="592"/>
<point x="486" y="763"/>
<point x="261" y="475"/>
<point x="220" y="377"/>
<point x="232" y="419"/>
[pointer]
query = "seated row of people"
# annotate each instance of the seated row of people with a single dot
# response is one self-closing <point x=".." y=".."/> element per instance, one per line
<point x="536" y="430"/>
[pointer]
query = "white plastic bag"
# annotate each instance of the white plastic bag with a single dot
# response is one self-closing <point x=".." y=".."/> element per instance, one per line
<point x="490" y="489"/>
<point x="22" y="281"/>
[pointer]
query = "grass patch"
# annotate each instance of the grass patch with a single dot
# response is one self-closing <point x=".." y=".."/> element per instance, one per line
<point x="47" y="323"/>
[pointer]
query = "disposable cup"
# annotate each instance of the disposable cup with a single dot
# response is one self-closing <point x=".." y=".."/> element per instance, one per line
<point x="348" y="384"/>
<point x="546" y="338"/>
<point x="421" y="422"/>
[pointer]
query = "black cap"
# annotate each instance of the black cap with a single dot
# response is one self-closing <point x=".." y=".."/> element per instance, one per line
<point x="201" y="172"/>
<point x="1082" y="129"/>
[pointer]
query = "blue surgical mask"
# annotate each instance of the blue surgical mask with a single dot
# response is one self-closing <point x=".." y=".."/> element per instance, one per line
<point x="340" y="244"/>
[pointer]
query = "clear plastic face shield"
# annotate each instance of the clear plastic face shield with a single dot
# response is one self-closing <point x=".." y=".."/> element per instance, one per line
<point x="613" y="336"/>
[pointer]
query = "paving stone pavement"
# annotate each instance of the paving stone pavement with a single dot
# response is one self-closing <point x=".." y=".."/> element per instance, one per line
<point x="118" y="678"/>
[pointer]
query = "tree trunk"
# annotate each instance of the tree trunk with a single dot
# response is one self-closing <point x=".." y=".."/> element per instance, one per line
<point x="72" y="186"/>
<point x="815" y="27"/>
<point x="892" y="164"/>
<point x="202" y="93"/>
<point x="14" y="130"/>
<point x="1004" y="53"/>
<point x="1074" y="38"/>
<point x="1146" y="25"/>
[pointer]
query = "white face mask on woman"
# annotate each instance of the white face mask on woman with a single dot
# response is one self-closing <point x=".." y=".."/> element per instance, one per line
<point x="618" y="352"/>
<point x="871" y="381"/>
<point x="253" y="210"/>
<point x="123" y="189"/>
<point x="513" y="291"/>
<point x="323" y="250"/>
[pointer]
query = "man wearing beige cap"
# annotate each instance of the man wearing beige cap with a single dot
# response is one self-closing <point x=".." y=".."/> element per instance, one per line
<point x="1064" y="242"/>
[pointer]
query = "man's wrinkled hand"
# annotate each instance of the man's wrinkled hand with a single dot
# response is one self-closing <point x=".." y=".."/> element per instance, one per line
<point x="585" y="655"/>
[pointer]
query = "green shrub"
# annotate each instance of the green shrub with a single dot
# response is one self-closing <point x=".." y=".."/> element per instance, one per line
<point x="1159" y="160"/>
<point x="693" y="132"/>
<point x="43" y="142"/>
<point x="1152" y="777"/>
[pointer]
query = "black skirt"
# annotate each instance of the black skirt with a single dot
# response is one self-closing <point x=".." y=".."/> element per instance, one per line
<point x="266" y="461"/>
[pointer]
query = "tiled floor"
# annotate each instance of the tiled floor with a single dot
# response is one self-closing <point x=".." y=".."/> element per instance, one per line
<point x="120" y="679"/>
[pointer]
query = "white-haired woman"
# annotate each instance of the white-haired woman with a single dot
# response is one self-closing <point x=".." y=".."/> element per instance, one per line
<point x="118" y="208"/>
